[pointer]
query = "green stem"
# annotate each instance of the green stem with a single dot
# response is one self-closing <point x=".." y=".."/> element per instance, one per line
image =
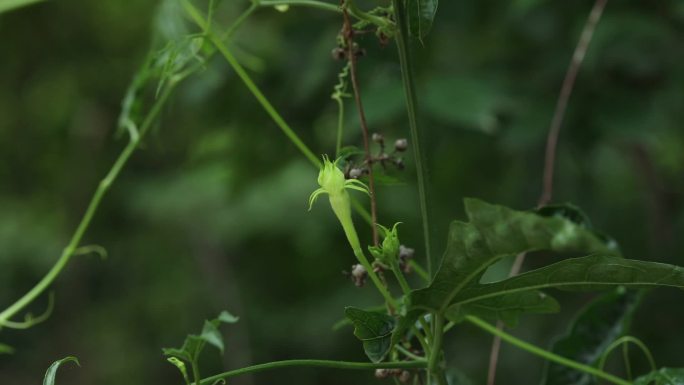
<point x="315" y="364"/>
<point x="402" y="39"/>
<point x="408" y="354"/>
<point x="197" y="18"/>
<point x="544" y="353"/>
<point x="239" y="21"/>
<point x="102" y="189"/>
<point x="196" y="373"/>
<point x="279" y="121"/>
<point x="374" y="277"/>
<point x="436" y="348"/>
<point x="406" y="289"/>
<point x="400" y="278"/>
<point x="626" y="340"/>
<point x="305" y="3"/>
<point x="361" y="15"/>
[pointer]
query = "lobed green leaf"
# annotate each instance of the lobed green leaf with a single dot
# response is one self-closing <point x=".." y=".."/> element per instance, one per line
<point x="493" y="233"/>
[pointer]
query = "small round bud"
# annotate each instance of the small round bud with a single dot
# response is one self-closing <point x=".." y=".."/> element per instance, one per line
<point x="381" y="373"/>
<point x="405" y="377"/>
<point x="338" y="53"/>
<point x="378" y="138"/>
<point x="383" y="157"/>
<point x="355" y="173"/>
<point x="405" y="252"/>
<point x="401" y="145"/>
<point x="359" y="275"/>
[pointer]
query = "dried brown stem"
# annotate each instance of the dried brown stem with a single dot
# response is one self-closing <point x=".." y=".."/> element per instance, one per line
<point x="564" y="97"/>
<point x="348" y="33"/>
<point x="552" y="145"/>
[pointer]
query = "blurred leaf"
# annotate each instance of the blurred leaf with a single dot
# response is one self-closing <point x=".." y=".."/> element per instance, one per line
<point x="374" y="330"/>
<point x="595" y="327"/>
<point x="228" y="318"/>
<point x="6" y="349"/>
<point x="52" y="370"/>
<point x="194" y="344"/>
<point x="212" y="335"/>
<point x="507" y="307"/>
<point x="9" y="5"/>
<point x="421" y="14"/>
<point x="664" y="376"/>
<point x="469" y="102"/>
<point x="592" y="272"/>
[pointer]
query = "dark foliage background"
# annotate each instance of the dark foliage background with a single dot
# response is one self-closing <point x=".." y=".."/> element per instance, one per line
<point x="211" y="214"/>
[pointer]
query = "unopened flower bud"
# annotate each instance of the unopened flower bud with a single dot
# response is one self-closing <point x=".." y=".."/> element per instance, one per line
<point x="401" y="145"/>
<point x="355" y="173"/>
<point x="338" y="53"/>
<point x="405" y="252"/>
<point x="378" y="138"/>
<point x="359" y="275"/>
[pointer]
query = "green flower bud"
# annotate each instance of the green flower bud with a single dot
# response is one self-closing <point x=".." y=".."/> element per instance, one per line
<point x="390" y="245"/>
<point x="388" y="252"/>
<point x="332" y="182"/>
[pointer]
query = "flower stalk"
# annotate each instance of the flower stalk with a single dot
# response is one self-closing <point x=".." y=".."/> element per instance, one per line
<point x="332" y="182"/>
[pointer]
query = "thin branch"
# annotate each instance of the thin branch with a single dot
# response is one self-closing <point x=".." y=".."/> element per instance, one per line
<point x="316" y="363"/>
<point x="564" y="97"/>
<point x="70" y="250"/>
<point x="348" y="34"/>
<point x="537" y="351"/>
<point x="551" y="147"/>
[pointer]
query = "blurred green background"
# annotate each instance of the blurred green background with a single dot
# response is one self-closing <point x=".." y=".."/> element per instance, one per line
<point x="211" y="213"/>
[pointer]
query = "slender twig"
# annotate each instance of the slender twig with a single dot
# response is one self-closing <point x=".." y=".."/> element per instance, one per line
<point x="625" y="341"/>
<point x="417" y="364"/>
<point x="70" y="250"/>
<point x="564" y="97"/>
<point x="551" y="146"/>
<point x="544" y="353"/>
<point x="348" y="33"/>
